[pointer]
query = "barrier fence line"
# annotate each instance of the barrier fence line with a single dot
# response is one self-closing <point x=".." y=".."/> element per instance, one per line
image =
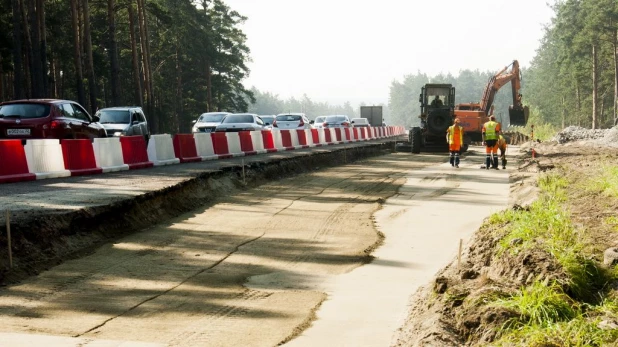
<point x="51" y="158"/>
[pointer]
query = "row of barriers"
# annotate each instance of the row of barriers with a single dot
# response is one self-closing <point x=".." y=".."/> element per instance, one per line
<point x="49" y="158"/>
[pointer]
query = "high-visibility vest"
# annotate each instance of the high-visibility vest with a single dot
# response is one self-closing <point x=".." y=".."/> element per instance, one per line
<point x="490" y="130"/>
<point x="455" y="132"/>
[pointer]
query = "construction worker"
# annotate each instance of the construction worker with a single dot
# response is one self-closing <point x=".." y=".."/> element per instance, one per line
<point x="436" y="102"/>
<point x="490" y="134"/>
<point x="454" y="136"/>
<point x="501" y="145"/>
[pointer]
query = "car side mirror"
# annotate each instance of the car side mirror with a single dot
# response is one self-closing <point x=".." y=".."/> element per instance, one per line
<point x="266" y="123"/>
<point x="312" y="122"/>
<point x="135" y="122"/>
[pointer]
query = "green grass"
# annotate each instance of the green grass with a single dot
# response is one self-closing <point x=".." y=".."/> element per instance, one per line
<point x="558" y="314"/>
<point x="540" y="304"/>
<point x="605" y="183"/>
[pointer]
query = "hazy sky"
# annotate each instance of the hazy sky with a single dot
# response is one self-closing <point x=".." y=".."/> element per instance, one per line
<point x="351" y="50"/>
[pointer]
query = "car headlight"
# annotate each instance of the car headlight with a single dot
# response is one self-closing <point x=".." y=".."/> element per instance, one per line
<point x="194" y="129"/>
<point x="118" y="133"/>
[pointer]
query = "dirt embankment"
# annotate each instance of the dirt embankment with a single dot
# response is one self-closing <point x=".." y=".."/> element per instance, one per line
<point x="42" y="240"/>
<point x="452" y="310"/>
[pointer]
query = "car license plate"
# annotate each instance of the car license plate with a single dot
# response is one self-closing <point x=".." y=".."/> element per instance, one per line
<point x="15" y="132"/>
<point x="208" y="130"/>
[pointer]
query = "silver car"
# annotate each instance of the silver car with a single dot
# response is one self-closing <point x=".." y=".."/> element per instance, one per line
<point x="268" y="121"/>
<point x="337" y="122"/>
<point x="207" y="122"/>
<point x="292" y="121"/>
<point x="241" y="122"/>
<point x="123" y="121"/>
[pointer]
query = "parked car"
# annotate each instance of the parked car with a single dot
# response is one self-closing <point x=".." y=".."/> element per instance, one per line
<point x="268" y="121"/>
<point x="292" y="121"/>
<point x="124" y="121"/>
<point x="337" y="122"/>
<point x="207" y="122"/>
<point x="319" y="122"/>
<point x="241" y="122"/>
<point x="47" y="119"/>
<point x="360" y="122"/>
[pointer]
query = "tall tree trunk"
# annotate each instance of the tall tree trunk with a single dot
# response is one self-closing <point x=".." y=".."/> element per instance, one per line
<point x="155" y="121"/>
<point x="35" y="58"/>
<point x="18" y="67"/>
<point x="43" y="44"/>
<point x="564" y="112"/>
<point x="595" y="86"/>
<point x="615" y="114"/>
<point x="136" y="74"/>
<point x="28" y="51"/>
<point x="92" y="86"/>
<point x="578" y="103"/>
<point x="113" y="53"/>
<point x="208" y="87"/>
<point x="77" y="53"/>
<point x="176" y="123"/>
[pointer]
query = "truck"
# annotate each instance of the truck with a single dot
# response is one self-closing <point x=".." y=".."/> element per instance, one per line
<point x="373" y="114"/>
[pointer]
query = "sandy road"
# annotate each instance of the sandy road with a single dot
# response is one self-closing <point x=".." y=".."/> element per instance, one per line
<point x="249" y="270"/>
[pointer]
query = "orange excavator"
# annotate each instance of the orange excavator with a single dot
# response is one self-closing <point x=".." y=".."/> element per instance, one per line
<point x="473" y="115"/>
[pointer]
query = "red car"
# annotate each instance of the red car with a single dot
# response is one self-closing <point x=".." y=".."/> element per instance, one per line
<point x="47" y="119"/>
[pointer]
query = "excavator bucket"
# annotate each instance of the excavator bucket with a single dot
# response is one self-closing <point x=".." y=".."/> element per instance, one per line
<point x="518" y="116"/>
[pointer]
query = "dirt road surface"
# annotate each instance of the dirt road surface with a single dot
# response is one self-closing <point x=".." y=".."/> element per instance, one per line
<point x="254" y="268"/>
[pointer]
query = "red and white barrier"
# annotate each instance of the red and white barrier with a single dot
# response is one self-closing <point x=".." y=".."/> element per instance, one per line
<point x="134" y="152"/>
<point x="44" y="158"/>
<point x="204" y="146"/>
<point x="304" y="138"/>
<point x="289" y="139"/>
<point x="108" y="154"/>
<point x="278" y="140"/>
<point x="78" y="156"/>
<point x="219" y="142"/>
<point x="13" y="163"/>
<point x="258" y="142"/>
<point x="268" y="140"/>
<point x="246" y="143"/>
<point x="161" y="150"/>
<point x="317" y="137"/>
<point x="233" y="144"/>
<point x="185" y="149"/>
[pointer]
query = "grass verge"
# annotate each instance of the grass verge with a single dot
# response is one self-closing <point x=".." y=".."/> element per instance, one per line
<point x="570" y="312"/>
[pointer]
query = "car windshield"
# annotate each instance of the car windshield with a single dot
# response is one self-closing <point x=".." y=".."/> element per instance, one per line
<point x="114" y="117"/>
<point x="24" y="111"/>
<point x="336" y="119"/>
<point x="212" y="118"/>
<point x="288" y="118"/>
<point x="320" y="119"/>
<point x="238" y="118"/>
<point x="267" y="119"/>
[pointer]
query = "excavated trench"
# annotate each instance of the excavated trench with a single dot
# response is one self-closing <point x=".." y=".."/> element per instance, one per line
<point x="42" y="240"/>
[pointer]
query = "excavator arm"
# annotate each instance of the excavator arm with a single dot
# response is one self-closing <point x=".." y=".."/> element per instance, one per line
<point x="518" y="114"/>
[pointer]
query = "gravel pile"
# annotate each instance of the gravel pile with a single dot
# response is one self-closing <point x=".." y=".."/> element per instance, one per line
<point x="575" y="133"/>
<point x="611" y="137"/>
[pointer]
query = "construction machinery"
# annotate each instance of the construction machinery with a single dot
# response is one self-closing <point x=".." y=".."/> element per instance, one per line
<point x="437" y="109"/>
<point x="473" y="115"/>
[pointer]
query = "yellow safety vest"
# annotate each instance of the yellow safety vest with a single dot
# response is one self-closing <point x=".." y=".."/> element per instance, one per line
<point x="451" y="134"/>
<point x="490" y="130"/>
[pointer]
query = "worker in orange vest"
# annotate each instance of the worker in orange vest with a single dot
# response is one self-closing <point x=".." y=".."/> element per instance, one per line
<point x="490" y="133"/>
<point x="501" y="145"/>
<point x="454" y="136"/>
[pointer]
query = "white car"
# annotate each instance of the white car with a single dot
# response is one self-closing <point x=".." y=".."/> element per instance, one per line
<point x="207" y="122"/>
<point x="338" y="121"/>
<point x="360" y="122"/>
<point x="318" y="123"/>
<point x="286" y="121"/>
